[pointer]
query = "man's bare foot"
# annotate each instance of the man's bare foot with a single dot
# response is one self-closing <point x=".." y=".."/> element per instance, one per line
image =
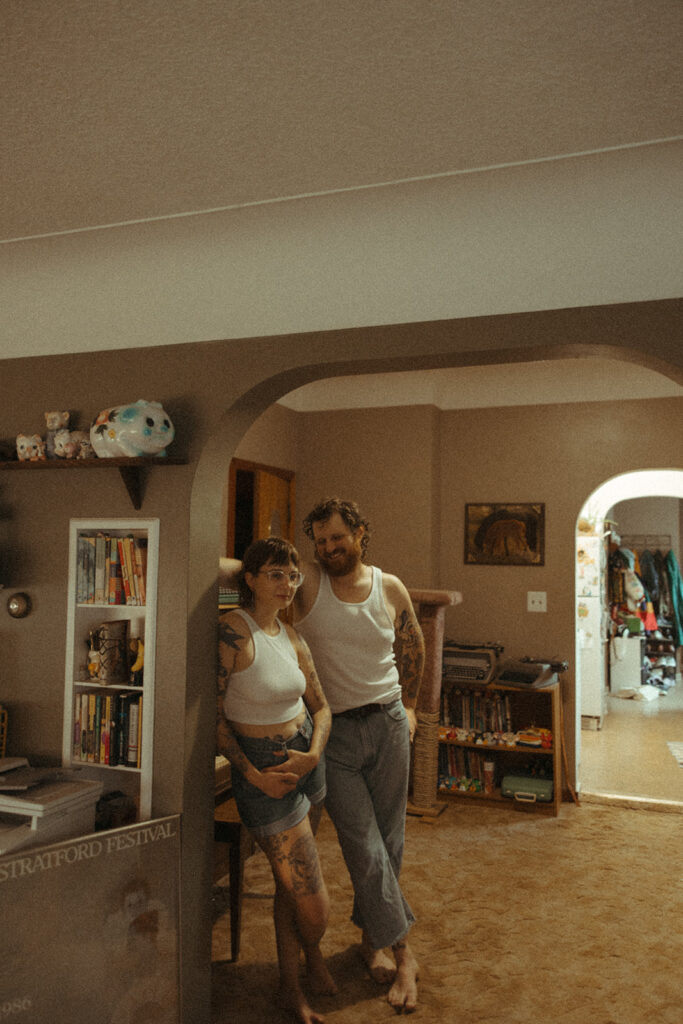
<point x="403" y="993"/>
<point x="319" y="978"/>
<point x="382" y="970"/>
<point x="294" y="1001"/>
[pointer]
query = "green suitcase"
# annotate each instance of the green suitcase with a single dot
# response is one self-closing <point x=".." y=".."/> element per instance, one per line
<point x="527" y="789"/>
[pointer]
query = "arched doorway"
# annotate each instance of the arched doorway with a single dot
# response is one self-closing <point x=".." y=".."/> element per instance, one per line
<point x="625" y="732"/>
<point x="206" y="520"/>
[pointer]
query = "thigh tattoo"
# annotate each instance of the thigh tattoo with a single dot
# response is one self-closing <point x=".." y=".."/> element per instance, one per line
<point x="302" y="859"/>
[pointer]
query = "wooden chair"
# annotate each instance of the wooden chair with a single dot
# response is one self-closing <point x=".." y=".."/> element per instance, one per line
<point x="228" y="829"/>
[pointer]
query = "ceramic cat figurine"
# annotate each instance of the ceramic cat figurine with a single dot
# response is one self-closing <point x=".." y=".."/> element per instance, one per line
<point x="30" y="448"/>
<point x="141" y="428"/>
<point x="54" y="422"/>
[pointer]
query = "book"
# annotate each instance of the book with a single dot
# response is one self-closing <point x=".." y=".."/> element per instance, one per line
<point x="140" y="559"/>
<point x="115" y="587"/>
<point x="76" y="747"/>
<point x="125" y="579"/>
<point x="102" y="730"/>
<point x="81" y="571"/>
<point x="122" y="728"/>
<point x="89" y="568"/>
<point x="97" y="728"/>
<point x="130" y="566"/>
<point x="85" y="704"/>
<point x="139" y="754"/>
<point x="113" y="730"/>
<point x="133" y="721"/>
<point x="100" y="564"/>
<point x="90" y="732"/>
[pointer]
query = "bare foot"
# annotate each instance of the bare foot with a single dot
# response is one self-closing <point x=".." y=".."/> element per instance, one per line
<point x="319" y="978"/>
<point x="295" y="1001"/>
<point x="403" y="993"/>
<point x="382" y="970"/>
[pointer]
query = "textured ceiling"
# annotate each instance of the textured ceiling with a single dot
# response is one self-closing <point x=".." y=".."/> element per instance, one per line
<point x="119" y="110"/>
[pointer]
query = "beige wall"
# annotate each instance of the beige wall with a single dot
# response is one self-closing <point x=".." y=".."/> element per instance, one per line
<point x="654" y="516"/>
<point x="383" y="459"/>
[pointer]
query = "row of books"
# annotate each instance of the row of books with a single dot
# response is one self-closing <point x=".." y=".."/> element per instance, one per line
<point x="108" y="728"/>
<point x="463" y="770"/>
<point x="111" y="569"/>
<point x="475" y="710"/>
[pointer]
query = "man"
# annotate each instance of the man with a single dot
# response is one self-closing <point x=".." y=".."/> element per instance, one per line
<point x="369" y="653"/>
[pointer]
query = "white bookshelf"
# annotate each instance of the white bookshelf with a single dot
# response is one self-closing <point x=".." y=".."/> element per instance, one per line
<point x="85" y="616"/>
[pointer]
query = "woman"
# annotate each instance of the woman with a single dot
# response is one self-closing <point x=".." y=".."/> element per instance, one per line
<point x="273" y="724"/>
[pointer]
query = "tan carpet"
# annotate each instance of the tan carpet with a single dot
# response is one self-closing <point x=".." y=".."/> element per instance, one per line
<point x="569" y="920"/>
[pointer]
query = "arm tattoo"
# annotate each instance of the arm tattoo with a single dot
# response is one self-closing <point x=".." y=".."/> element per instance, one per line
<point x="226" y="742"/>
<point x="228" y="647"/>
<point x="314" y="698"/>
<point x="409" y="650"/>
<point x="228" y="635"/>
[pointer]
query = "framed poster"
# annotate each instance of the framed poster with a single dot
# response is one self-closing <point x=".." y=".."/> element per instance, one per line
<point x="505" y="534"/>
<point x="90" y="928"/>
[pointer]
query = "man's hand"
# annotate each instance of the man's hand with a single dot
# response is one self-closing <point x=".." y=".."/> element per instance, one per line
<point x="412" y="722"/>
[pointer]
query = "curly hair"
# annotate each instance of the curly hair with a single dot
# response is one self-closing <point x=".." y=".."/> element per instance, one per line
<point x="349" y="512"/>
<point x="269" y="551"/>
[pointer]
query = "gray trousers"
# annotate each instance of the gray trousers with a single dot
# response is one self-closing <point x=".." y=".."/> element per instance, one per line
<point x="368" y="762"/>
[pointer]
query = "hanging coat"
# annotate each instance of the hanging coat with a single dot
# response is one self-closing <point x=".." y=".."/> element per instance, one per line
<point x="676" y="585"/>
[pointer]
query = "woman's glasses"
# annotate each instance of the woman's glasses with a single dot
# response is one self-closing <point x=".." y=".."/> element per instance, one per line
<point x="279" y="576"/>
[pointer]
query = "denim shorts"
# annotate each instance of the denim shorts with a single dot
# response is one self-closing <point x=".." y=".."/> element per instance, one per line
<point x="266" y="815"/>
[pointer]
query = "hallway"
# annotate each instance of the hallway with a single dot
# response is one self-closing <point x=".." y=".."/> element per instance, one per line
<point x="629" y="756"/>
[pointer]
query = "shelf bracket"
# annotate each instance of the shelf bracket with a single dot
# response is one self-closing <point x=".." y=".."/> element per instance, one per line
<point x="131" y="476"/>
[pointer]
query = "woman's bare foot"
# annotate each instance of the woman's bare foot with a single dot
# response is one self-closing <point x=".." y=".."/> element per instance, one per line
<point x="319" y="978"/>
<point x="295" y="1001"/>
<point x="403" y="993"/>
<point x="382" y="970"/>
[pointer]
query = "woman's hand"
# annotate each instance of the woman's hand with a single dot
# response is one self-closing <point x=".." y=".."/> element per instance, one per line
<point x="298" y="763"/>
<point x="277" y="781"/>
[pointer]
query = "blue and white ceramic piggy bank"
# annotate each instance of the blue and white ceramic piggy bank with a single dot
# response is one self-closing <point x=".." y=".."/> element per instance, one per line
<point x="141" y="428"/>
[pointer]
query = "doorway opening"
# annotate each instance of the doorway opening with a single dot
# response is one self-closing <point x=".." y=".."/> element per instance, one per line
<point x="260" y="503"/>
<point x="623" y="756"/>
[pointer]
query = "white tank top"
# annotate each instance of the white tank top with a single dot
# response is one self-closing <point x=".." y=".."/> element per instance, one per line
<point x="269" y="690"/>
<point x="352" y="646"/>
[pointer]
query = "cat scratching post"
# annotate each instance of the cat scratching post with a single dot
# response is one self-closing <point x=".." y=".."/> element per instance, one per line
<point x="430" y="607"/>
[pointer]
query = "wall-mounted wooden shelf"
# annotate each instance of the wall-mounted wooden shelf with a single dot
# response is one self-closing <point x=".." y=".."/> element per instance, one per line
<point x="132" y="470"/>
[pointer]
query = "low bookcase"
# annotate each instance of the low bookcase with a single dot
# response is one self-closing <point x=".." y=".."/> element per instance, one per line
<point x="108" y="689"/>
<point x="499" y="732"/>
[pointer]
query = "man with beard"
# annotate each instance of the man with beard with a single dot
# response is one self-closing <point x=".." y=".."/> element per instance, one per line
<point x="369" y="652"/>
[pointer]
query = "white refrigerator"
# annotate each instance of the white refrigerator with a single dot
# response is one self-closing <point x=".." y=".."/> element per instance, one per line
<point x="591" y="633"/>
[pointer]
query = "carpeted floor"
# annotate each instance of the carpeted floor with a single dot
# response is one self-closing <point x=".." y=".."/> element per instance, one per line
<point x="522" y="919"/>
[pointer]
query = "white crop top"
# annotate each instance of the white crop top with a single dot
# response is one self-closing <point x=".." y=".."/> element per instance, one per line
<point x="269" y="690"/>
<point x="352" y="646"/>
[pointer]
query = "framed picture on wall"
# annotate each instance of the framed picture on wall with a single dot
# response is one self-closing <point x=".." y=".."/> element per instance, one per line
<point x="505" y="534"/>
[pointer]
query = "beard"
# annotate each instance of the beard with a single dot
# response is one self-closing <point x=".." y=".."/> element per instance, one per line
<point x="340" y="566"/>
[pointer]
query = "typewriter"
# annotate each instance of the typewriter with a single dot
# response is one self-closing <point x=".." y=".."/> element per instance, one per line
<point x="530" y="673"/>
<point x="469" y="663"/>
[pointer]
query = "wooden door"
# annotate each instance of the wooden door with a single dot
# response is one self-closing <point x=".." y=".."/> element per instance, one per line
<point x="260" y="504"/>
<point x="273" y="506"/>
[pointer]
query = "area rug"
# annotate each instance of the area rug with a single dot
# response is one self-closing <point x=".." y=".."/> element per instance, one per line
<point x="522" y="919"/>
